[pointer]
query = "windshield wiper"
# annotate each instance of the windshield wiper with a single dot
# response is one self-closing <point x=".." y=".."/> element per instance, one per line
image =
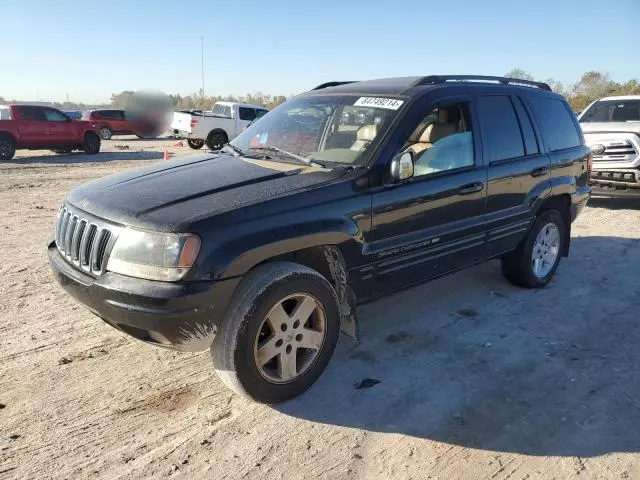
<point x="295" y="156"/>
<point x="237" y="152"/>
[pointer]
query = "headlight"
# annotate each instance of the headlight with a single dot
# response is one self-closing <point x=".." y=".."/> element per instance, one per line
<point x="153" y="255"/>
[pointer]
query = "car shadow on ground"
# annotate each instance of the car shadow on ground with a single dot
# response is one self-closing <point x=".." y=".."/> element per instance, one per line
<point x="81" y="157"/>
<point x="631" y="202"/>
<point x="473" y="361"/>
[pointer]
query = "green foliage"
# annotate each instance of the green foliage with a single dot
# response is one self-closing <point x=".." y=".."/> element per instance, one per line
<point x="591" y="86"/>
<point x="197" y="100"/>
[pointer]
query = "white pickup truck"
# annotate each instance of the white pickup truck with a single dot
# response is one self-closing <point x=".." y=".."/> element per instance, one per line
<point x="216" y="127"/>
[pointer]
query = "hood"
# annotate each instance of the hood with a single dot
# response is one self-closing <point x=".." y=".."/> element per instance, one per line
<point x="606" y="127"/>
<point x="170" y="195"/>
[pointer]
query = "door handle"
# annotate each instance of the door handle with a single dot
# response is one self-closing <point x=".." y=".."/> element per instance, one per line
<point x="539" y="172"/>
<point x="470" y="188"/>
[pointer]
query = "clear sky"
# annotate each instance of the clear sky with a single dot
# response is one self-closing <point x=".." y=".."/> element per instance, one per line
<point x="89" y="49"/>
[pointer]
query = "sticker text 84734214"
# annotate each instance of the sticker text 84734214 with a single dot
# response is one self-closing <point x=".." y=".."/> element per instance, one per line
<point x="379" y="102"/>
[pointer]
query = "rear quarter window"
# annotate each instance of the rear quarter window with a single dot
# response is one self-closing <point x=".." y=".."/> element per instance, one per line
<point x="556" y="122"/>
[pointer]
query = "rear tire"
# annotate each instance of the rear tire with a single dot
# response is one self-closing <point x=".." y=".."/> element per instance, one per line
<point x="278" y="334"/>
<point x="195" y="144"/>
<point x="105" y="133"/>
<point x="535" y="261"/>
<point x="91" y="144"/>
<point x="216" y="140"/>
<point x="7" y="148"/>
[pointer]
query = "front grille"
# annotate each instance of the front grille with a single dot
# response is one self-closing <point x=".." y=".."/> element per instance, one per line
<point x="617" y="150"/>
<point x="83" y="241"/>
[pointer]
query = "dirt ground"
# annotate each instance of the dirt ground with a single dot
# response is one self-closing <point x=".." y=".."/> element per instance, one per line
<point x="478" y="379"/>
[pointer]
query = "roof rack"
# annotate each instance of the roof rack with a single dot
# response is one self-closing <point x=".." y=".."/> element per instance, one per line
<point x="436" y="79"/>
<point x="331" y="84"/>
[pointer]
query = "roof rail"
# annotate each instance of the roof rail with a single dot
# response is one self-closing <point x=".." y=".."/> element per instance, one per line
<point x="331" y="84"/>
<point x="436" y="79"/>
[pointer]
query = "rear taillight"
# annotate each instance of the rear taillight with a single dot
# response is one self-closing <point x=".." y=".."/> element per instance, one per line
<point x="589" y="167"/>
<point x="194" y="122"/>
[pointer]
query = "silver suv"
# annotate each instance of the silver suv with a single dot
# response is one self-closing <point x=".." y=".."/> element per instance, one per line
<point x="611" y="128"/>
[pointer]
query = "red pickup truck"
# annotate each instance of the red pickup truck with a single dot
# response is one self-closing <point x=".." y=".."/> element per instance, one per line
<point x="34" y="127"/>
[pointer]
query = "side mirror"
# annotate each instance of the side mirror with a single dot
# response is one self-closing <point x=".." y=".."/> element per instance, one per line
<point x="401" y="167"/>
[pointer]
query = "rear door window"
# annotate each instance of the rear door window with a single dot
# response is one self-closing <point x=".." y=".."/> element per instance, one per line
<point x="33" y="114"/>
<point x="556" y="122"/>
<point x="500" y="128"/>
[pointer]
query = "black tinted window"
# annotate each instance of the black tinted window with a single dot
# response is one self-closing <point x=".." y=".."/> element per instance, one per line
<point x="32" y="114"/>
<point x="247" y="113"/>
<point x="500" y="129"/>
<point x="556" y="123"/>
<point x="261" y="113"/>
<point x="530" y="142"/>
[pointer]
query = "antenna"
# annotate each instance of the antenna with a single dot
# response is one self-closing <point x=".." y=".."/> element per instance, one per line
<point x="202" y="62"/>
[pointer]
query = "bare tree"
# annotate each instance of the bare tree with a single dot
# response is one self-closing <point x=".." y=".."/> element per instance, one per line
<point x="519" y="74"/>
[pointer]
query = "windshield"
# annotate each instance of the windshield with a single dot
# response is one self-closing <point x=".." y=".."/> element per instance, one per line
<point x="322" y="128"/>
<point x="612" y="111"/>
<point x="5" y="113"/>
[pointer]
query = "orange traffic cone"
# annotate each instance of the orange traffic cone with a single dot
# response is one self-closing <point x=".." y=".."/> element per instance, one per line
<point x="166" y="155"/>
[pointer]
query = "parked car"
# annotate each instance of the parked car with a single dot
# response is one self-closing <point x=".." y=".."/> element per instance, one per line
<point x="74" y="115"/>
<point x="35" y="127"/>
<point x="261" y="251"/>
<point x="217" y="127"/>
<point x="611" y="128"/>
<point x="121" y="122"/>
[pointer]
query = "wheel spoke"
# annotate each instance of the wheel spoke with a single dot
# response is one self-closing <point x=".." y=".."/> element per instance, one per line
<point x="288" y="367"/>
<point x="304" y="310"/>
<point x="267" y="351"/>
<point x="277" y="316"/>
<point x="311" y="339"/>
<point x="536" y="265"/>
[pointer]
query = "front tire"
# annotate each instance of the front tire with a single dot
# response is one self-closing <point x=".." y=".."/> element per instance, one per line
<point x="7" y="148"/>
<point x="91" y="144"/>
<point x="195" y="144"/>
<point x="535" y="261"/>
<point x="216" y="140"/>
<point x="278" y="334"/>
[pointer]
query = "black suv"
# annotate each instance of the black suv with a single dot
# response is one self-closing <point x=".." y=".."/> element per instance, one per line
<point x="261" y="251"/>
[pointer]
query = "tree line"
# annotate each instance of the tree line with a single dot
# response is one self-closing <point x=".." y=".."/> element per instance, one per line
<point x="129" y="99"/>
<point x="591" y="86"/>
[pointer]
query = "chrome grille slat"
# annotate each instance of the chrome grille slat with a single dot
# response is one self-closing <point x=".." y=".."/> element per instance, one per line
<point x="94" y="262"/>
<point x="75" y="242"/>
<point x="85" y="246"/>
<point x="71" y="227"/>
<point x="82" y="241"/>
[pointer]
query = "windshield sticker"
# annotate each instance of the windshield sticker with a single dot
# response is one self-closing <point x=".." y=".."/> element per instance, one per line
<point x="263" y="138"/>
<point x="378" y="102"/>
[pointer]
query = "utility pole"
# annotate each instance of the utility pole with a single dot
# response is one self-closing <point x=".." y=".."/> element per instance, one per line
<point x="202" y="62"/>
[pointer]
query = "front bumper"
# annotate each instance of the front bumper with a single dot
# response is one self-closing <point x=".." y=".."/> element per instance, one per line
<point x="616" y="179"/>
<point x="181" y="316"/>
